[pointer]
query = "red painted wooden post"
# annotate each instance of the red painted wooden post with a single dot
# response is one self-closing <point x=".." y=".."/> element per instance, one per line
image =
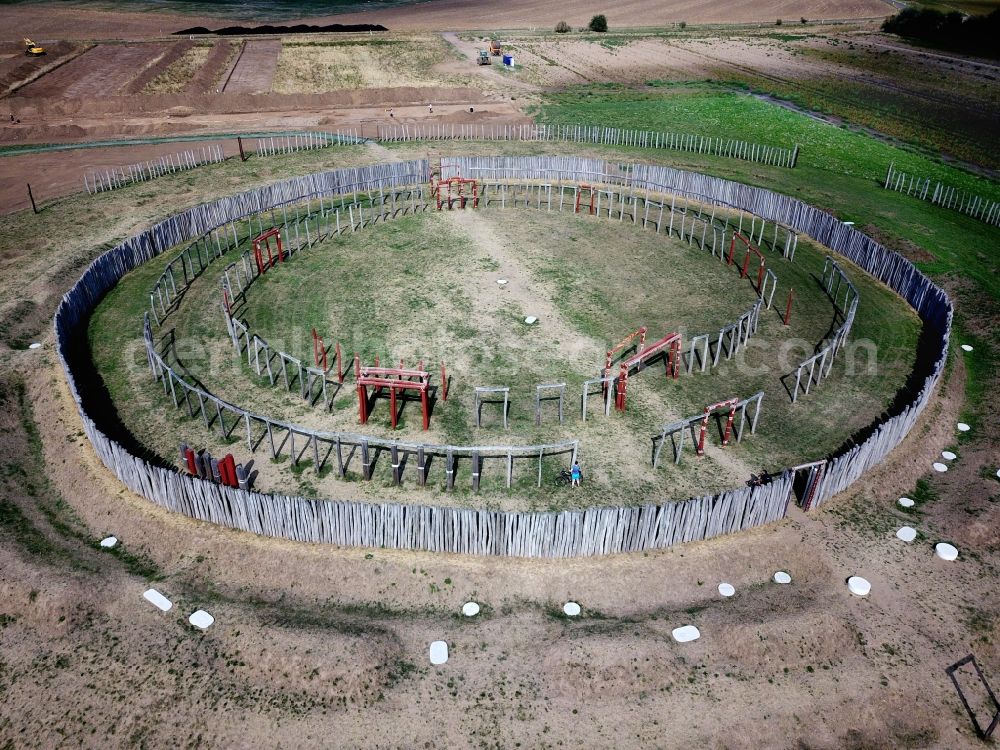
<point x="729" y="425"/>
<point x="424" y="409"/>
<point x="315" y="350"/>
<point x="788" y="307"/>
<point x="192" y="468"/>
<point x="672" y="360"/>
<point x="340" y="365"/>
<point x="392" y="406"/>
<point x="281" y="255"/>
<point x="622" y="386"/>
<point x="746" y="264"/>
<point x="760" y="275"/>
<point x="363" y="404"/>
<point x="701" y="437"/>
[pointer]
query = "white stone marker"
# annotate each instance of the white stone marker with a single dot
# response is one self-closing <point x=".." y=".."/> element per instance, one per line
<point x="109" y="541"/>
<point x="470" y="609"/>
<point x="439" y="653"/>
<point x="531" y="320"/>
<point x="201" y="619"/>
<point x="726" y="589"/>
<point x="906" y="502"/>
<point x="906" y="533"/>
<point x="501" y="282"/>
<point x="157" y="599"/>
<point x="782" y="577"/>
<point x="948" y="456"/>
<point x="858" y="586"/>
<point x="945" y="551"/>
<point x="938" y="466"/>
<point x="686" y="633"/>
<point x="35" y="345"/>
<point x="963" y="427"/>
<point x="571" y="609"/>
<point x="966" y="348"/>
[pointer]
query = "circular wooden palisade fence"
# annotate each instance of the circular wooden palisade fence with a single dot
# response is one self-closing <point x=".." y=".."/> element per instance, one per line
<point x="593" y="531"/>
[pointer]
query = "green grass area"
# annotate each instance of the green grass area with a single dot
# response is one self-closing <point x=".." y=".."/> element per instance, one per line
<point x="424" y="287"/>
<point x="719" y="112"/>
<point x="840" y="171"/>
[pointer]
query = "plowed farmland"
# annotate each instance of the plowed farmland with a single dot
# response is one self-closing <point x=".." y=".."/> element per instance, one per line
<point x="101" y="71"/>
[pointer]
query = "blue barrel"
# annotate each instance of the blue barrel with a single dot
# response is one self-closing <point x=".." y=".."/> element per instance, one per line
<point x="508" y="60"/>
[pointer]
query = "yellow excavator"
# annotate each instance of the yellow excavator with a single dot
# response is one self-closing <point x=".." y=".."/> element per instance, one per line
<point x="33" y="50"/>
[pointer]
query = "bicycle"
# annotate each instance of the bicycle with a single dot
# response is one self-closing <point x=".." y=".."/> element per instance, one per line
<point x="564" y="477"/>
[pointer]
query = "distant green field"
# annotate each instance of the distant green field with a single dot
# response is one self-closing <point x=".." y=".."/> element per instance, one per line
<point x="839" y="170"/>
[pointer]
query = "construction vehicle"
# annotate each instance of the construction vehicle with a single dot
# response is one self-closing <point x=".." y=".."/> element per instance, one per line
<point x="484" y="58"/>
<point x="495" y="48"/>
<point x="31" y="49"/>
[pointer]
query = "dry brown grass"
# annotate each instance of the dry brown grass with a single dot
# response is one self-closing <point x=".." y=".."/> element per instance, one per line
<point x="179" y="74"/>
<point x="310" y="68"/>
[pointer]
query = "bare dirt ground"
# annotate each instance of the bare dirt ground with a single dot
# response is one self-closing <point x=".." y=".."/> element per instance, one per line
<point x="319" y="647"/>
<point x="54" y="174"/>
<point x="322" y="647"/>
<point x="254" y="67"/>
<point x="464" y="14"/>
<point x="100" y="71"/>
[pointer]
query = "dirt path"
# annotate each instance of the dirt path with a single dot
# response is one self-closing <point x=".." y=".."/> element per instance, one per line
<point x="254" y="69"/>
<point x="470" y="51"/>
<point x="529" y="293"/>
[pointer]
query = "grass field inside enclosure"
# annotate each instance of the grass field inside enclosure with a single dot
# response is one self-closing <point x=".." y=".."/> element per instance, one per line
<point x="424" y="287"/>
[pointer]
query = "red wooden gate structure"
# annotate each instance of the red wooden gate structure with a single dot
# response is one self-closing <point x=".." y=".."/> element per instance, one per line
<point x="751" y="250"/>
<point x="671" y="343"/>
<point x="460" y="196"/>
<point x="731" y="403"/>
<point x="395" y="379"/>
<point x="263" y="242"/>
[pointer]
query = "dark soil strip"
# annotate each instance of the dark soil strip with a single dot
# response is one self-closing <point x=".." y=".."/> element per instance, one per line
<point x="208" y="75"/>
